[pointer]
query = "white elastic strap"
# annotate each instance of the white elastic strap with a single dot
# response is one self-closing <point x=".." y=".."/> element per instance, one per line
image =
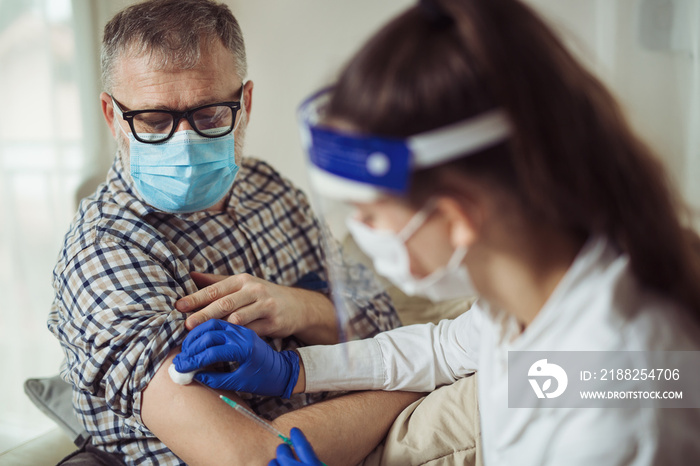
<point x="118" y="122"/>
<point x="459" y="139"/>
<point x="417" y="220"/>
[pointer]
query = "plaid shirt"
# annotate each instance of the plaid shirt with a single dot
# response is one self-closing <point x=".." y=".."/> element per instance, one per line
<point x="123" y="266"/>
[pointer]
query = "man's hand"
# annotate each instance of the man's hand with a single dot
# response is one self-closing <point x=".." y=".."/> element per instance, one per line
<point x="266" y="308"/>
<point x="261" y="370"/>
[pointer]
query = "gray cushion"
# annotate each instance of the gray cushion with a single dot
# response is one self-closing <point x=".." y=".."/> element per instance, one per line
<point x="53" y="397"/>
<point x="87" y="455"/>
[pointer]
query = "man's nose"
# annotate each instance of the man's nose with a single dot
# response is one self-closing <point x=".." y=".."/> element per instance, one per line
<point x="183" y="125"/>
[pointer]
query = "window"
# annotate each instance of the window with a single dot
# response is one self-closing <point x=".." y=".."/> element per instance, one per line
<point x="42" y="162"/>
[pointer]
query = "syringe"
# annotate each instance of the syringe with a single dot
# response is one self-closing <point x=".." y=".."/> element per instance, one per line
<point x="257" y="419"/>
<point x="261" y="422"/>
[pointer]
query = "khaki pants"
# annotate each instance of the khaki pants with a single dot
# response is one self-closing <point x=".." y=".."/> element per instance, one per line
<point x="438" y="430"/>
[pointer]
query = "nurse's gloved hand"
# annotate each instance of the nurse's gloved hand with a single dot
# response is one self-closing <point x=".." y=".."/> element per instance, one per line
<point x="306" y="454"/>
<point x="261" y="370"/>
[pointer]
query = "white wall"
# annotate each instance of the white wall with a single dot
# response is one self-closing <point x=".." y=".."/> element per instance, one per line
<point x="297" y="46"/>
<point x="294" y="48"/>
<point x="647" y="53"/>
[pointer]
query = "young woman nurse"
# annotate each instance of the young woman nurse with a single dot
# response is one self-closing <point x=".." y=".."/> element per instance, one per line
<point x="480" y="156"/>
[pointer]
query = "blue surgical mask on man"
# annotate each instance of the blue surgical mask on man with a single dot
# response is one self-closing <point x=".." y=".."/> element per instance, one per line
<point x="186" y="173"/>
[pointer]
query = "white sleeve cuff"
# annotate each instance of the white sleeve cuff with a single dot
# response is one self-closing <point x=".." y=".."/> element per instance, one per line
<point x="354" y="365"/>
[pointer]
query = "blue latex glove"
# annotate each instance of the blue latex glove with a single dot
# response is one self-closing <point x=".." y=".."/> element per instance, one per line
<point x="261" y="370"/>
<point x="306" y="454"/>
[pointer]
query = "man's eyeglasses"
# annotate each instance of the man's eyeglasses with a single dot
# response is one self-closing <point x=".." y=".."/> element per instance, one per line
<point x="154" y="126"/>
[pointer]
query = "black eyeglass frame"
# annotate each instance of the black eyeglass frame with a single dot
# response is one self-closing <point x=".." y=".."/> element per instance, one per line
<point x="129" y="115"/>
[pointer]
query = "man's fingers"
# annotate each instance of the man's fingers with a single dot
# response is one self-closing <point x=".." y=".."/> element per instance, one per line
<point x="257" y="317"/>
<point x="206" y="279"/>
<point x="221" y="309"/>
<point x="247" y="314"/>
<point x="207" y="295"/>
<point x="262" y="327"/>
<point x="220" y="286"/>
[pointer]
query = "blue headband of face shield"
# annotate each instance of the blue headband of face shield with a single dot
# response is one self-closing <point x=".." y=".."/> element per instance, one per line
<point x="360" y="167"/>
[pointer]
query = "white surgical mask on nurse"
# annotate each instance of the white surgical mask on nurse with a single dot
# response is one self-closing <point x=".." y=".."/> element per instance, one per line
<point x="392" y="259"/>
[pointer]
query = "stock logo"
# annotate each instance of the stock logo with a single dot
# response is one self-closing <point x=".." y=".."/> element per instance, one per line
<point x="546" y="372"/>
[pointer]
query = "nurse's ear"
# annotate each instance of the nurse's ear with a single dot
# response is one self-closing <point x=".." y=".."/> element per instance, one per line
<point x="463" y="217"/>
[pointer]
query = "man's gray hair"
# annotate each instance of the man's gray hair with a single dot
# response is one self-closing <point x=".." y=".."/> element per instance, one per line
<point x="172" y="33"/>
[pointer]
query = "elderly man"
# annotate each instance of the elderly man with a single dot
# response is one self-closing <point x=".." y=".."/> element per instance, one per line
<point x="180" y="197"/>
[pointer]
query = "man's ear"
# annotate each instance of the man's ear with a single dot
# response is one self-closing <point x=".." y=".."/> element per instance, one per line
<point x="108" y="112"/>
<point x="248" y="97"/>
<point x="464" y="218"/>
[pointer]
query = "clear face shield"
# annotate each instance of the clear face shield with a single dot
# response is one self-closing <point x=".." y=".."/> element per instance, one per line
<point x="350" y="173"/>
<point x="363" y="305"/>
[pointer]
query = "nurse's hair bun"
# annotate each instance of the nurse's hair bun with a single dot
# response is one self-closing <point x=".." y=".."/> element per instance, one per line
<point x="435" y="13"/>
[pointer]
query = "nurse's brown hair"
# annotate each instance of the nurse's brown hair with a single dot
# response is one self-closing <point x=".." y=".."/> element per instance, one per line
<point x="573" y="162"/>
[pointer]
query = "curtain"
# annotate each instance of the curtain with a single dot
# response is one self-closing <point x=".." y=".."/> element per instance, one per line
<point x="51" y="132"/>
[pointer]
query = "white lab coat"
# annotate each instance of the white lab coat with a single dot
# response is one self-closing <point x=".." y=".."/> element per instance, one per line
<point x="589" y="311"/>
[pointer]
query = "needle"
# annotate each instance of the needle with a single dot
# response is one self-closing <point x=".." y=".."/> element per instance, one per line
<point x="265" y="425"/>
<point x="250" y="415"/>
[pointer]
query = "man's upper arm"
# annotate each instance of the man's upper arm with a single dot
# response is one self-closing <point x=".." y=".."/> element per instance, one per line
<point x="199" y="427"/>
<point x="115" y="316"/>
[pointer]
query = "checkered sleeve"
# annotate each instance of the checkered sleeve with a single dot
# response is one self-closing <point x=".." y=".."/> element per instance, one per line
<point x="361" y="314"/>
<point x="114" y="314"/>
